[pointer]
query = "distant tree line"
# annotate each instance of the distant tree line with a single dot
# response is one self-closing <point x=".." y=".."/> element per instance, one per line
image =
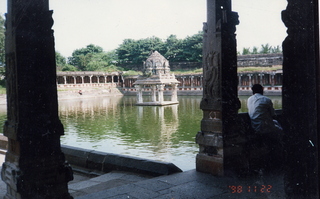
<point x="173" y="49"/>
<point x="265" y="49"/>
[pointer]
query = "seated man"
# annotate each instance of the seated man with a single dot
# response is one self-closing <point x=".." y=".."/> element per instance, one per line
<point x="261" y="113"/>
<point x="267" y="130"/>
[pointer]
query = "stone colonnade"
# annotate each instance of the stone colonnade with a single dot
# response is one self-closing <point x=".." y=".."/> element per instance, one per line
<point x="88" y="78"/>
<point x="270" y="80"/>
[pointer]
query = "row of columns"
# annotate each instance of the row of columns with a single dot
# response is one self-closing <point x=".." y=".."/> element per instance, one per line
<point x="244" y="79"/>
<point x="248" y="79"/>
<point x="68" y="79"/>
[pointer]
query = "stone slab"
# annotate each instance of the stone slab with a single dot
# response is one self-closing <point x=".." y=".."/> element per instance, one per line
<point x="106" y="162"/>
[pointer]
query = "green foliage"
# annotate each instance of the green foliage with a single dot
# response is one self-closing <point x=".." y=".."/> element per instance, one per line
<point x="60" y="61"/>
<point x="92" y="58"/>
<point x="259" y="69"/>
<point x="2" y="40"/>
<point x="68" y="67"/>
<point x="265" y="49"/>
<point x="174" y="49"/>
<point x="192" y="48"/>
<point x="245" y="51"/>
<point x="136" y="51"/>
<point x="81" y="57"/>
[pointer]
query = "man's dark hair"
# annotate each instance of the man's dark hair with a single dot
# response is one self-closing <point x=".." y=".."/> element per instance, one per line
<point x="257" y="88"/>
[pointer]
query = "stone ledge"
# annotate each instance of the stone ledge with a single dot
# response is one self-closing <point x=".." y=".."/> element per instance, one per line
<point x="106" y="162"/>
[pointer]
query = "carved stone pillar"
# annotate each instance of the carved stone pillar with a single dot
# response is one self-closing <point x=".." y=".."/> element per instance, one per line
<point x="34" y="166"/>
<point x="220" y="103"/>
<point x="74" y="79"/>
<point x="300" y="98"/>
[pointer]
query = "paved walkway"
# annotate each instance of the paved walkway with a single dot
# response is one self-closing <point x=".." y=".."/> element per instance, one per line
<point x="186" y="185"/>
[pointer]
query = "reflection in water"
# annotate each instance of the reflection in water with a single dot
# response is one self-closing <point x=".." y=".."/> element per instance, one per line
<point x="116" y="125"/>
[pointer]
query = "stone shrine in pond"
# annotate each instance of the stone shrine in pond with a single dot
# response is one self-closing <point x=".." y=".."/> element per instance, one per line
<point x="156" y="78"/>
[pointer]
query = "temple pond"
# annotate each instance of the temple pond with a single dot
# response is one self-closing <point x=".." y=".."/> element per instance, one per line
<point x="116" y="125"/>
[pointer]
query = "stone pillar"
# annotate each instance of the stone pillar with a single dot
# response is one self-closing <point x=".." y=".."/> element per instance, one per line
<point x="191" y="79"/>
<point x="105" y="79"/>
<point x="65" y="79"/>
<point x="160" y="93"/>
<point x="219" y="103"/>
<point x="74" y="79"/>
<point x="153" y="93"/>
<point x="300" y="98"/>
<point x="261" y="78"/>
<point x="90" y="77"/>
<point x="82" y="79"/>
<point x="139" y="93"/>
<point x="34" y="166"/>
<point x="250" y="80"/>
<point x="98" y="78"/>
<point x="272" y="80"/>
<point x="174" y="95"/>
<point x="183" y="81"/>
<point x="239" y="81"/>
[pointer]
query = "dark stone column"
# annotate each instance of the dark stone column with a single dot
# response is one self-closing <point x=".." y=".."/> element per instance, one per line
<point x="301" y="98"/>
<point x="34" y="166"/>
<point x="220" y="102"/>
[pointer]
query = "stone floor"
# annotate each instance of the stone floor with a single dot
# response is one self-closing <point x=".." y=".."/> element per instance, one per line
<point x="185" y="185"/>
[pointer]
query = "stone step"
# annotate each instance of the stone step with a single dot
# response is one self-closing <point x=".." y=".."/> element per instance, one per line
<point x="83" y="185"/>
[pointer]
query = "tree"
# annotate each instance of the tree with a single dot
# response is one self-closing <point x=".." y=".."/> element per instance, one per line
<point x="265" y="49"/>
<point x="276" y="49"/>
<point x="136" y="51"/>
<point x="60" y="61"/>
<point x="68" y="67"/>
<point x="174" y="49"/>
<point x="192" y="48"/>
<point x="246" y="51"/>
<point x="2" y="40"/>
<point x="92" y="58"/>
<point x="81" y="57"/>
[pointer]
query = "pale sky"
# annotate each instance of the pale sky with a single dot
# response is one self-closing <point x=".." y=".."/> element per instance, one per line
<point x="107" y="23"/>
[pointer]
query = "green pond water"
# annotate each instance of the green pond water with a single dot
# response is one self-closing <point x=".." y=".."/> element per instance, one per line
<point x="116" y="125"/>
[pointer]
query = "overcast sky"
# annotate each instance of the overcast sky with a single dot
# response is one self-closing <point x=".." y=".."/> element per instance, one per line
<point x="107" y="23"/>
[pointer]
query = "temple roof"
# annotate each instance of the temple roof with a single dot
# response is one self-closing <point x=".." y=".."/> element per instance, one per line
<point x="156" y="56"/>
